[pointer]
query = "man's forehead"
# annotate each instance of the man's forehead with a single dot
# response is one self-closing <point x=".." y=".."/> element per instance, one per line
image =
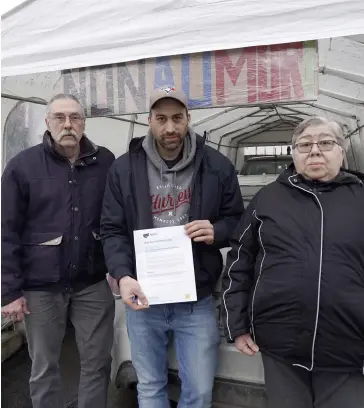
<point x="65" y="106"/>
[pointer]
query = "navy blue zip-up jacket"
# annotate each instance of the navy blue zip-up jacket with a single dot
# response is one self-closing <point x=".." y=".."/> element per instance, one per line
<point x="127" y="207"/>
<point x="294" y="278"/>
<point x="50" y="219"/>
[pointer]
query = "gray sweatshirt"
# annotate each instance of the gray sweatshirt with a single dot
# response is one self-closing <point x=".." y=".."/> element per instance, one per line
<point x="170" y="189"/>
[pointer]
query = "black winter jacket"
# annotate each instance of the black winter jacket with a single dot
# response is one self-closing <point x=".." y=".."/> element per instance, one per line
<point x="295" y="275"/>
<point x="50" y="220"/>
<point x="127" y="207"/>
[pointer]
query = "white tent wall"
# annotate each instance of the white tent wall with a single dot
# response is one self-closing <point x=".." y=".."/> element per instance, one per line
<point x="112" y="133"/>
<point x="6" y="106"/>
<point x="132" y="30"/>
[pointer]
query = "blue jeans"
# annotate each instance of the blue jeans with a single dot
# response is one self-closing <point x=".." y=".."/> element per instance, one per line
<point x="196" y="338"/>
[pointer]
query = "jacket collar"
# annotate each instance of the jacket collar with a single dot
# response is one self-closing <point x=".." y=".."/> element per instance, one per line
<point x="344" y="177"/>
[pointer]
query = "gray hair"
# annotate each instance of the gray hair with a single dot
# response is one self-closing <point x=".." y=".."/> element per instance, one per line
<point x="62" y="96"/>
<point x="334" y="126"/>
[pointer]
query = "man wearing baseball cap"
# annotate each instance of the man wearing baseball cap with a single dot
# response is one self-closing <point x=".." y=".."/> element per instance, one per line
<point x="169" y="178"/>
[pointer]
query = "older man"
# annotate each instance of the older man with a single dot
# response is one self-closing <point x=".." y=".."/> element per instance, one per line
<point x="170" y="178"/>
<point x="294" y="281"/>
<point x="52" y="260"/>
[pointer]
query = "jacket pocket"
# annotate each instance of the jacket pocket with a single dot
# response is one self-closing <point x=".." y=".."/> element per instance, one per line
<point x="42" y="256"/>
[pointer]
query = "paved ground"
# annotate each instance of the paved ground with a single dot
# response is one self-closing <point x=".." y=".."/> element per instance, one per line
<point x="16" y="370"/>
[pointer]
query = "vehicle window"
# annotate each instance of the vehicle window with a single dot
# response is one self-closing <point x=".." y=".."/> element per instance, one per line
<point x="259" y="167"/>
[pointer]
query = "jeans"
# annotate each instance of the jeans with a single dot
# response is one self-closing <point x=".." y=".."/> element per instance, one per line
<point x="196" y="339"/>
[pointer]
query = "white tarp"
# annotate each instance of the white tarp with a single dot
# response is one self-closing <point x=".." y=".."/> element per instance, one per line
<point x="43" y="35"/>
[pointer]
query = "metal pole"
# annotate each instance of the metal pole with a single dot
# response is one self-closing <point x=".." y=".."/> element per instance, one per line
<point x="246" y="127"/>
<point x="341" y="74"/>
<point x="234" y="121"/>
<point x="214" y="116"/>
<point x="21" y="99"/>
<point x="122" y="119"/>
<point x="131" y="129"/>
<point x="343" y="98"/>
<point x="42" y="102"/>
<point x="263" y="128"/>
<point x="332" y="110"/>
<point x="294" y="111"/>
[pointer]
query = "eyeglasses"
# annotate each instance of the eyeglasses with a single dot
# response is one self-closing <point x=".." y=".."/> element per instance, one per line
<point x="61" y="118"/>
<point x="323" y="145"/>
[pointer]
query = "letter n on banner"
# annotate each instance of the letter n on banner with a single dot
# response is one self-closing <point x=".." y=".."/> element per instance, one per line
<point x="125" y="80"/>
<point x="78" y="88"/>
<point x="102" y="90"/>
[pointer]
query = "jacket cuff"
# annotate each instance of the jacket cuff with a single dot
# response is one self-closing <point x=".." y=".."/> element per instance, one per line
<point x="236" y="334"/>
<point x="121" y="273"/>
<point x="220" y="238"/>
<point x="10" y="297"/>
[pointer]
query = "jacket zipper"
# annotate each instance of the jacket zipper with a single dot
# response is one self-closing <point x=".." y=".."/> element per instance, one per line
<point x="319" y="280"/>
<point x="73" y="165"/>
<point x="72" y="221"/>
<point x="259" y="276"/>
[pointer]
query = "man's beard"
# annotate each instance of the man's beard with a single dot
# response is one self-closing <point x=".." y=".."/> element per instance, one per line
<point x="171" y="145"/>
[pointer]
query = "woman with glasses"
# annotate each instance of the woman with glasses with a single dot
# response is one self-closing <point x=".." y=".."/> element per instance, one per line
<point x="293" y="287"/>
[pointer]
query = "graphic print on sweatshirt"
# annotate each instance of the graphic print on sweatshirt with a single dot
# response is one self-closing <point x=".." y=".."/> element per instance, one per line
<point x="170" y="205"/>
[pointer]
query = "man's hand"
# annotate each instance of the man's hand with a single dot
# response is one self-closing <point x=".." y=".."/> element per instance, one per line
<point x="16" y="310"/>
<point x="201" y="231"/>
<point x="246" y="345"/>
<point x="131" y="292"/>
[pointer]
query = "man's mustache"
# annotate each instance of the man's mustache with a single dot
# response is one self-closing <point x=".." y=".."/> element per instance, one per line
<point x="172" y="135"/>
<point x="67" y="133"/>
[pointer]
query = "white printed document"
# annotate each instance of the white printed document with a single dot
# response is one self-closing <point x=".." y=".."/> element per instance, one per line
<point x="164" y="264"/>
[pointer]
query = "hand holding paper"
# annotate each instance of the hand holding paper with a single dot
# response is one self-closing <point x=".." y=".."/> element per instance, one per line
<point x="200" y="231"/>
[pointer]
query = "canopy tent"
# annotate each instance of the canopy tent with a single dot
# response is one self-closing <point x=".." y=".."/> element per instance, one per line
<point x="35" y="47"/>
<point x="40" y="35"/>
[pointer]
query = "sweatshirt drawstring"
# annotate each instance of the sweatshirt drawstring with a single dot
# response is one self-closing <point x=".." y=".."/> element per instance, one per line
<point x="174" y="190"/>
<point x="161" y="174"/>
<point x="174" y="193"/>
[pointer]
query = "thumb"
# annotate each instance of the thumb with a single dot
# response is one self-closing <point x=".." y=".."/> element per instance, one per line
<point x="141" y="297"/>
<point x="25" y="307"/>
<point x="252" y="345"/>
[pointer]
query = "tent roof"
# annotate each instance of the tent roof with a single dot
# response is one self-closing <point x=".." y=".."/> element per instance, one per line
<point x="40" y="35"/>
<point x="7" y="6"/>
